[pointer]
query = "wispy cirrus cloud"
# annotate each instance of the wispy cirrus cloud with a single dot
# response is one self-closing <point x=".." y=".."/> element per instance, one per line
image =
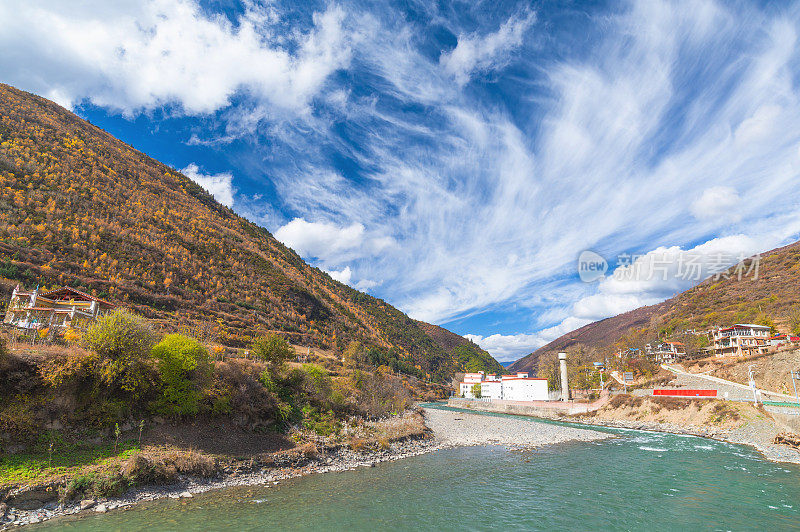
<point x="477" y="53"/>
<point x="370" y="138"/>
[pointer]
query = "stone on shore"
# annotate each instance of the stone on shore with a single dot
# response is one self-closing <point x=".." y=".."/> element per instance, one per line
<point x="87" y="503"/>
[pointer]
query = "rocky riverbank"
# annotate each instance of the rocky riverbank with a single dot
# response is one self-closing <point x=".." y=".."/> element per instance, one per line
<point x="759" y="434"/>
<point x="444" y="429"/>
<point x="729" y="421"/>
<point x="292" y="464"/>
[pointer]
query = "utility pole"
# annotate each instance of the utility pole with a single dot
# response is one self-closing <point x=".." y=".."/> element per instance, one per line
<point x="753" y="384"/>
<point x="795" y="375"/>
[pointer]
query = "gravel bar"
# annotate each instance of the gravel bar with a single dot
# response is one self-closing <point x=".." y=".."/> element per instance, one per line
<point x="453" y="428"/>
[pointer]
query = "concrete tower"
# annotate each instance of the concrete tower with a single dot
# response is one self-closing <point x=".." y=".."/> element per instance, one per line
<point x="562" y="361"/>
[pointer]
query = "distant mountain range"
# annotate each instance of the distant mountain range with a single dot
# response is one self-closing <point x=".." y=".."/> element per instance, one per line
<point x="80" y="208"/>
<point x="773" y="297"/>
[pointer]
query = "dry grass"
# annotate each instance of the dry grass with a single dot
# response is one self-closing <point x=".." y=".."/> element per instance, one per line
<point x="164" y="465"/>
<point x="676" y="411"/>
<point x="409" y="424"/>
<point x="381" y="434"/>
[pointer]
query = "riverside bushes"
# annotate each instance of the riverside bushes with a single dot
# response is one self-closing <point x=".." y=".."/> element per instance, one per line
<point x="184" y="367"/>
<point x="120" y="335"/>
<point x="118" y="376"/>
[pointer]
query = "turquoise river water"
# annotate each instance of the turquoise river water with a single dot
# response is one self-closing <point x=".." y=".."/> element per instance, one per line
<point x="635" y="481"/>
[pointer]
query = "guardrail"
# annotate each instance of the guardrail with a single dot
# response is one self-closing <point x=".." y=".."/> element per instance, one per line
<point x="780" y="403"/>
<point x="685" y="393"/>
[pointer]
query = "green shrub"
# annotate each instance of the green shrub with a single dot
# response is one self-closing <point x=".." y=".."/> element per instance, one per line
<point x="119" y="335"/>
<point x="97" y="379"/>
<point x="273" y="349"/>
<point x="95" y="485"/>
<point x="266" y="379"/>
<point x="318" y="379"/>
<point x="184" y="366"/>
<point x="322" y="423"/>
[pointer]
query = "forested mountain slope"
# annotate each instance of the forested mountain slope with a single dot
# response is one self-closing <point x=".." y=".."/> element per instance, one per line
<point x="466" y="352"/>
<point x="81" y="208"/>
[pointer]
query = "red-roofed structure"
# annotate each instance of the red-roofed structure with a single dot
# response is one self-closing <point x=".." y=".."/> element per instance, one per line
<point x="59" y="309"/>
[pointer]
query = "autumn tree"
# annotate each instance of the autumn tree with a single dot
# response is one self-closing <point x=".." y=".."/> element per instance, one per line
<point x="120" y="334"/>
<point x="272" y="348"/>
<point x="355" y="355"/>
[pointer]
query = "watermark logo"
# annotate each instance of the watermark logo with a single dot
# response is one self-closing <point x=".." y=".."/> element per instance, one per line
<point x="591" y="266"/>
<point x="684" y="266"/>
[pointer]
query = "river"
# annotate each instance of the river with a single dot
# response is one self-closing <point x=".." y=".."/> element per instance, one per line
<point x="636" y="481"/>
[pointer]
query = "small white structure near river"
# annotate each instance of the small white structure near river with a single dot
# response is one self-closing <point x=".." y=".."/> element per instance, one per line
<point x="519" y="387"/>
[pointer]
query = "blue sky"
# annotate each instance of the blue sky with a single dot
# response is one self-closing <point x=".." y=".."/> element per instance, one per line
<point x="455" y="158"/>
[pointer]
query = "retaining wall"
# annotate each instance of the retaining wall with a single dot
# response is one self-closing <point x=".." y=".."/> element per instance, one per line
<point x="522" y="408"/>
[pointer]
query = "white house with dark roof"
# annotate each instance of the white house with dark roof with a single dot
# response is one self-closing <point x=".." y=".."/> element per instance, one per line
<point x="63" y="308"/>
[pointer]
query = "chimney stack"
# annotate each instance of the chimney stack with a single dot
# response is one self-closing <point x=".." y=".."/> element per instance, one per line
<point x="562" y="360"/>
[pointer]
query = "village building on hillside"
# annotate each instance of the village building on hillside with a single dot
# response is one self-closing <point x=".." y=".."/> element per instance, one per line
<point x="742" y="339"/>
<point x="783" y="339"/>
<point x="63" y="308"/>
<point x="519" y="387"/>
<point x="666" y="351"/>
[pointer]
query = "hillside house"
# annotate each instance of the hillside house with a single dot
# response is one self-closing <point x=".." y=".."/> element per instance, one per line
<point x="742" y="339"/>
<point x="63" y="308"/>
<point x="666" y="351"/>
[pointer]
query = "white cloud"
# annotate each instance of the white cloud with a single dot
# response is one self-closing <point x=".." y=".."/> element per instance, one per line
<point x="218" y="185"/>
<point x="345" y="276"/>
<point x="331" y="243"/>
<point x="665" y="272"/>
<point x="477" y="53"/>
<point x="342" y="276"/>
<point x="717" y="203"/>
<point x="646" y="280"/>
<point x="137" y="56"/>
<point x="507" y="348"/>
<point x="511" y="347"/>
<point x="366" y="284"/>
<point x="759" y="125"/>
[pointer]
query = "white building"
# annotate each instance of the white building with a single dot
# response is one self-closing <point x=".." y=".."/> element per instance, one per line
<point x="524" y="388"/>
<point x="742" y="339"/>
<point x="492" y="389"/>
<point x="467" y="386"/>
<point x="519" y="387"/>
